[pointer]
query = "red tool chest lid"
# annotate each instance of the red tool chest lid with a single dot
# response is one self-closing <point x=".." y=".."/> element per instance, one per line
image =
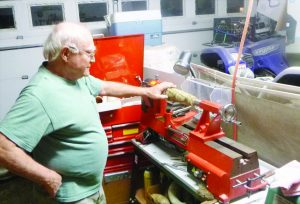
<point x="119" y="58"/>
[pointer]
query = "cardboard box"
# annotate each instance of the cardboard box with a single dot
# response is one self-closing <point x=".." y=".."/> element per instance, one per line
<point x="117" y="187"/>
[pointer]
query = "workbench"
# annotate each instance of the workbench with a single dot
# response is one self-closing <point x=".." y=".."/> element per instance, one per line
<point x="162" y="157"/>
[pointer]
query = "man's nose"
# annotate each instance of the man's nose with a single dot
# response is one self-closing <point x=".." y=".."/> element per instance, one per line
<point x="92" y="59"/>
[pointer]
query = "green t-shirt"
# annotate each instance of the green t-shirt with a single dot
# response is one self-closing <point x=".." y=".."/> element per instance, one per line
<point x="57" y="121"/>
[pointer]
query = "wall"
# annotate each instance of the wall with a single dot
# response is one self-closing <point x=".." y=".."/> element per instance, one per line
<point x="293" y="50"/>
<point x="17" y="66"/>
<point x="187" y="32"/>
<point x="293" y="10"/>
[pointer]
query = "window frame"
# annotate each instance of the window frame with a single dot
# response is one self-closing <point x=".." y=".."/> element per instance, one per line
<point x="120" y="8"/>
<point x="14" y="17"/>
<point x="183" y="10"/>
<point x="235" y="13"/>
<point x="12" y="36"/>
<point x="90" y="2"/>
<point x="32" y="4"/>
<point x="211" y="14"/>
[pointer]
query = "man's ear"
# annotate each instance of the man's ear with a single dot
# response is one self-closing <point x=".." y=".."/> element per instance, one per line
<point x="65" y="53"/>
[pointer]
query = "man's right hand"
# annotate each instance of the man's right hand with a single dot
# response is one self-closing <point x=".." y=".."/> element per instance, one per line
<point x="52" y="183"/>
<point x="19" y="162"/>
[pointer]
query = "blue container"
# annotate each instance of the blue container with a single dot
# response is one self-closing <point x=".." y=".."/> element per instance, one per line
<point x="148" y="23"/>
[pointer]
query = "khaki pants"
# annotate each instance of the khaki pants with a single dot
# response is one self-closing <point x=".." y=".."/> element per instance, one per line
<point x="18" y="190"/>
<point x="15" y="190"/>
<point x="42" y="198"/>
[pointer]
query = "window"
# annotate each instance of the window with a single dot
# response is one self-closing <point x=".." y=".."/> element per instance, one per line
<point x="171" y="8"/>
<point x="7" y="18"/>
<point x="91" y="12"/>
<point x="205" y="7"/>
<point x="134" y="5"/>
<point x="46" y="15"/>
<point x="235" y="6"/>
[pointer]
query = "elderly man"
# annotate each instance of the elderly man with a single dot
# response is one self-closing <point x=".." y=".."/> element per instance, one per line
<point x="52" y="135"/>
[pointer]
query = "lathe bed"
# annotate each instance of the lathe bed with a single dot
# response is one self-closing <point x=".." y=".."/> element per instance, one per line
<point x="161" y="156"/>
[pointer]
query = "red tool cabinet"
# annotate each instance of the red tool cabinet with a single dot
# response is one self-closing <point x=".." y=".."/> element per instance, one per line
<point x="120" y="59"/>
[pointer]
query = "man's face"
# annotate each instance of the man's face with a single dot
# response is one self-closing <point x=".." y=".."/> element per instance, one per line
<point x="80" y="62"/>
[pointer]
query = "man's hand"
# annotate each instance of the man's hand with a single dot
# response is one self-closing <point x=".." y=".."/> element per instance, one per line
<point x="52" y="183"/>
<point x="19" y="162"/>
<point x="156" y="92"/>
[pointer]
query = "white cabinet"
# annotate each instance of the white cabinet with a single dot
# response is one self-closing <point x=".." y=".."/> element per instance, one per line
<point x="16" y="68"/>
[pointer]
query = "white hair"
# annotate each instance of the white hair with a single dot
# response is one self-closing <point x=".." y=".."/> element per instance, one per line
<point x="64" y="35"/>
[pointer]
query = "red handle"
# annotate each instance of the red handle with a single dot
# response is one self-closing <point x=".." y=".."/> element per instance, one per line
<point x="257" y="187"/>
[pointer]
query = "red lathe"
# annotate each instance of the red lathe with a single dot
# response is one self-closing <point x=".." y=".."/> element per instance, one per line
<point x="228" y="168"/>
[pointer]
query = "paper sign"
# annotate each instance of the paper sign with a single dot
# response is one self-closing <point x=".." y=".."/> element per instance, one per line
<point x="273" y="9"/>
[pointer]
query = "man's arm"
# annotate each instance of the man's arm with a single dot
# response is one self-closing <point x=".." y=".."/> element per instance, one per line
<point x="19" y="162"/>
<point x="124" y="90"/>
